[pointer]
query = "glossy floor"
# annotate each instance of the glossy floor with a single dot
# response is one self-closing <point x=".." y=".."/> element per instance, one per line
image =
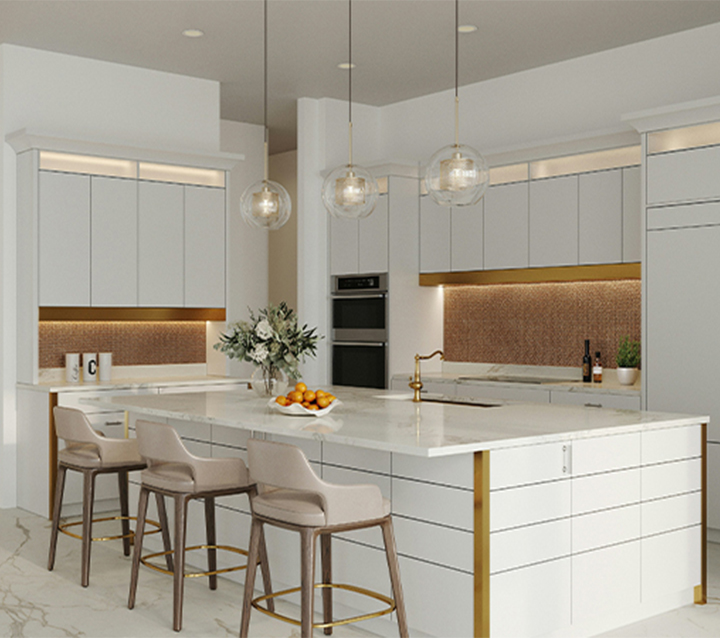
<point x="35" y="602"/>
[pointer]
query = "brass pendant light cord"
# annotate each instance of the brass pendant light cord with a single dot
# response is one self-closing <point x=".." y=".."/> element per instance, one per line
<point x="265" y="30"/>
<point x="457" y="66"/>
<point x="350" y="81"/>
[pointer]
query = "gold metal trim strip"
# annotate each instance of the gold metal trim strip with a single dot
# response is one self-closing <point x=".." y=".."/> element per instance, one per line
<point x="131" y="534"/>
<point x="336" y="623"/>
<point x="602" y="272"/>
<point x="482" y="544"/>
<point x="71" y="313"/>
<point x="52" y="453"/>
<point x="700" y="592"/>
<point x="145" y="560"/>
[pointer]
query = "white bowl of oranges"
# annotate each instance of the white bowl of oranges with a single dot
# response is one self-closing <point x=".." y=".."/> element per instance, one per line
<point x="304" y="402"/>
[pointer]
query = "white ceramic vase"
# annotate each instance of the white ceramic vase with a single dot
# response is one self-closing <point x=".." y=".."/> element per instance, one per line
<point x="627" y="376"/>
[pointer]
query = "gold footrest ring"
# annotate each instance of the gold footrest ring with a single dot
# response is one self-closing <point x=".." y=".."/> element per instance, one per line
<point x="145" y="560"/>
<point x="336" y="623"/>
<point x="130" y="534"/>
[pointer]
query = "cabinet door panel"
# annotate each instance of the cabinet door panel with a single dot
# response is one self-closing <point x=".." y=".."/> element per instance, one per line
<point x="604" y="528"/>
<point x="683" y="175"/>
<point x="632" y="214"/>
<point x="713" y="485"/>
<point x="433" y="503"/>
<point x="114" y="242"/>
<point x="204" y="247"/>
<point x="64" y="240"/>
<point x="601" y="491"/>
<point x="527" y="464"/>
<point x="671" y="444"/>
<point x="467" y="237"/>
<point x="344" y="246"/>
<point x="160" y="244"/>
<point x="434" y="236"/>
<point x="373" y="239"/>
<point x="529" y="504"/>
<point x="665" y="514"/>
<point x="554" y="221"/>
<point x="600" y="221"/>
<point x="668" y="479"/>
<point x="435" y="543"/>
<point x="506" y="226"/>
<point x="671" y="562"/>
<point x="605" y="453"/>
<point x="523" y="546"/>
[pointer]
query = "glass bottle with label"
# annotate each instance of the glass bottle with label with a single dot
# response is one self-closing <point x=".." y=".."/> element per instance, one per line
<point x="587" y="363"/>
<point x="597" y="369"/>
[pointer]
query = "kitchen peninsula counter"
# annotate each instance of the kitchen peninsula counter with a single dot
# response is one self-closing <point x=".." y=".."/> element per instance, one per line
<point x="520" y="519"/>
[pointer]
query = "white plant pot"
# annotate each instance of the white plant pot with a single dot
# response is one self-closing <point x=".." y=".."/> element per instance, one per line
<point x="627" y="376"/>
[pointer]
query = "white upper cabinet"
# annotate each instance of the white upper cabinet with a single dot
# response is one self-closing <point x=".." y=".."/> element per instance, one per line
<point x="467" y="237"/>
<point x="554" y="221"/>
<point x="434" y="236"/>
<point x="114" y="242"/>
<point x="64" y="239"/>
<point x="601" y="217"/>
<point x="160" y="244"/>
<point x="344" y="246"/>
<point x="373" y="239"/>
<point x="506" y="226"/>
<point x="204" y="247"/>
<point x="688" y="175"/>
<point x="632" y="214"/>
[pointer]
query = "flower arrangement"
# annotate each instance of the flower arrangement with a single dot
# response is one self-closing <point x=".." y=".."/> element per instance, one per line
<point x="271" y="339"/>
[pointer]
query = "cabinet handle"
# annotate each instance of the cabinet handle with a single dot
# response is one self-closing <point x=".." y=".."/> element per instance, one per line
<point x="593" y="405"/>
<point x="113" y="423"/>
<point x="567" y="459"/>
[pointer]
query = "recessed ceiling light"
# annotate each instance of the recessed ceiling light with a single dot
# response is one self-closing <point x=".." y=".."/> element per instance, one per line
<point x="193" y="33"/>
<point x="346" y="65"/>
<point x="467" y="28"/>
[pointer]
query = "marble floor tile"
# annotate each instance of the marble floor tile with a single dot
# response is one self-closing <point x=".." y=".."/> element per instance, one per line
<point x="37" y="603"/>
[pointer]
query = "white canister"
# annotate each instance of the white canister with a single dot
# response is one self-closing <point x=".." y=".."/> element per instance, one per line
<point x="105" y="365"/>
<point x="89" y="366"/>
<point x="72" y="367"/>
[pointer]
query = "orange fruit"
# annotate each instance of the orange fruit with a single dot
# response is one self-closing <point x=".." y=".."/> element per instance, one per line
<point x="323" y="402"/>
<point x="309" y="396"/>
<point x="295" y="397"/>
<point x="305" y="404"/>
<point x="313" y="407"/>
<point x="281" y="400"/>
<point x="300" y="387"/>
<point x="331" y="397"/>
<point x="320" y="393"/>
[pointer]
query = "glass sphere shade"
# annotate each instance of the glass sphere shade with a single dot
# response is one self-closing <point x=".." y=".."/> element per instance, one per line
<point x="350" y="192"/>
<point x="265" y="204"/>
<point x="457" y="175"/>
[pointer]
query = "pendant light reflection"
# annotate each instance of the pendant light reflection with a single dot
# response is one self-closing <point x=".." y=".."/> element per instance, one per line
<point x="350" y="192"/>
<point x="457" y="175"/>
<point x="265" y="204"/>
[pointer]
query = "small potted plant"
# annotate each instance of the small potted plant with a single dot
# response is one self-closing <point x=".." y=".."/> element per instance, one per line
<point x="628" y="361"/>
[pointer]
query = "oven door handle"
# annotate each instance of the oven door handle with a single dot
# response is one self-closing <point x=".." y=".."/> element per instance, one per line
<point x="378" y="295"/>
<point x="377" y="344"/>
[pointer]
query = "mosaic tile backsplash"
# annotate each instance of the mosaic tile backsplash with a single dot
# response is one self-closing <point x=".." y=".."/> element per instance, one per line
<point x="540" y="324"/>
<point x="131" y="342"/>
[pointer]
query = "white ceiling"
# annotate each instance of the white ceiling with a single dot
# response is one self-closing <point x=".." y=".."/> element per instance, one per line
<point x="402" y="48"/>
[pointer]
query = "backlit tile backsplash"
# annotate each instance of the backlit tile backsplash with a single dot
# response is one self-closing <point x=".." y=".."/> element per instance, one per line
<point x="540" y="324"/>
<point x="131" y="342"/>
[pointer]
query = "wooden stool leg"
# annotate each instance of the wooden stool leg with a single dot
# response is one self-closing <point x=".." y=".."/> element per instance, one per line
<point x="124" y="510"/>
<point x="307" y="581"/>
<point x="394" y="567"/>
<point x="165" y="529"/>
<point x="137" y="552"/>
<point x="326" y="561"/>
<point x="59" y="488"/>
<point x="256" y="534"/>
<point x="179" y="571"/>
<point x="211" y="539"/>
<point x="88" y="503"/>
<point x="265" y="570"/>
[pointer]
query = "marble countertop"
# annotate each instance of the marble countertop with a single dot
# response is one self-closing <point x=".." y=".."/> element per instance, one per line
<point x="132" y="384"/>
<point x="390" y="421"/>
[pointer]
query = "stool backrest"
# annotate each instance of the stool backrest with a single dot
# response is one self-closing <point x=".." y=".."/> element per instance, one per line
<point x="281" y="465"/>
<point x="160" y="443"/>
<point x="73" y="427"/>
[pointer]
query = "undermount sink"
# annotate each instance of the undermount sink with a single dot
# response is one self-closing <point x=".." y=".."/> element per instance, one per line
<point x="519" y="379"/>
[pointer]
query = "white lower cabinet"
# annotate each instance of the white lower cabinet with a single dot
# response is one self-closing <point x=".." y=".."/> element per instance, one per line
<point x="713" y="485"/>
<point x="671" y="562"/>
<point x="596" y="400"/>
<point x="523" y="546"/>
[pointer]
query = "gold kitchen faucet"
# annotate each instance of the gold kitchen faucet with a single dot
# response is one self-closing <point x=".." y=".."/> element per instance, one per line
<point x="416" y="383"/>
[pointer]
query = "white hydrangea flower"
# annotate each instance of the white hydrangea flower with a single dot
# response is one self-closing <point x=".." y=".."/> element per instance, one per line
<point x="263" y="329"/>
<point x="259" y="353"/>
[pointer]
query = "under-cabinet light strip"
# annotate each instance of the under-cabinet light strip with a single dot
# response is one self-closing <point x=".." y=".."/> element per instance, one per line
<point x="684" y="138"/>
<point x="87" y="164"/>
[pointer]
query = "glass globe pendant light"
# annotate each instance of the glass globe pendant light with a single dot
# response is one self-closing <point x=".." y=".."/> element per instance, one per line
<point x="350" y="191"/>
<point x="265" y="204"/>
<point x="457" y="175"/>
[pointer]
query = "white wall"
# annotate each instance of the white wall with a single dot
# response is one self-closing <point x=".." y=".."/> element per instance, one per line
<point x="66" y="96"/>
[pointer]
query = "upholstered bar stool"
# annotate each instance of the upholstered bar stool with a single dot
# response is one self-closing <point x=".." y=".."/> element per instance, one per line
<point x="291" y="496"/>
<point x="90" y="453"/>
<point x="173" y="471"/>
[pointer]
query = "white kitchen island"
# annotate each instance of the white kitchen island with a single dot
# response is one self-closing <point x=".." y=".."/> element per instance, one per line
<point x="513" y="520"/>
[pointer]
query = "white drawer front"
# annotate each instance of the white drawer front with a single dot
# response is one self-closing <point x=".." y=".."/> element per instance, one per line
<point x="607" y="527"/>
<point x="234" y="437"/>
<point x="668" y="479"/>
<point x="666" y="514"/>
<point x="111" y="424"/>
<point x="529" y="504"/>
<point x="601" y="491"/>
<point x="671" y="562"/>
<point x="605" y="581"/>
<point x="312" y="449"/>
<point x="670" y="444"/>
<point x="447" y="470"/>
<point x="596" y="400"/>
<point x="344" y="476"/>
<point x="605" y="453"/>
<point x="526" y="545"/>
<point x="503" y="393"/>
<point x="191" y="429"/>
<point x="522" y="603"/>
<point x="356" y="457"/>
<point x="510" y="467"/>
<point x="203" y="387"/>
<point x="434" y="503"/>
<point x="443" y="545"/>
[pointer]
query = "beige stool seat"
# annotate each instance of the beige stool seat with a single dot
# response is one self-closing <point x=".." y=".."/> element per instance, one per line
<point x="173" y="471"/>
<point x="292" y="496"/>
<point x="90" y="453"/>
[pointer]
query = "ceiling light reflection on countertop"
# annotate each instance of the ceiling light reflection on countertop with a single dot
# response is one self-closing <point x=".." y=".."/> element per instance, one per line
<point x="346" y="65"/>
<point x="193" y="33"/>
<point x="467" y="28"/>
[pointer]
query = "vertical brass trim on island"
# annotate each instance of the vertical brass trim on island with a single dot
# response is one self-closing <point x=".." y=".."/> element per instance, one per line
<point x="701" y="589"/>
<point x="481" y="526"/>
<point x="52" y="452"/>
